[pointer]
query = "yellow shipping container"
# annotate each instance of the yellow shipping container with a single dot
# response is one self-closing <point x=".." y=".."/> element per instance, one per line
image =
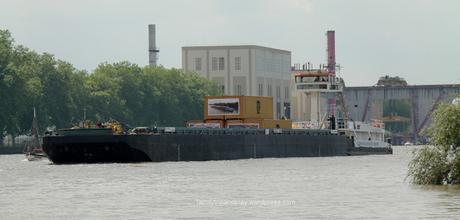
<point x="238" y="107"/>
<point x="254" y="120"/>
<point x="234" y="121"/>
<point x="242" y="125"/>
<point x="270" y="123"/>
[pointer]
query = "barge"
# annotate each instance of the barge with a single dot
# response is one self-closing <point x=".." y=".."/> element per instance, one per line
<point x="244" y="131"/>
<point x="190" y="144"/>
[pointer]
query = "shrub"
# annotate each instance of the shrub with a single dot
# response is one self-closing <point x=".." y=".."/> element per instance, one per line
<point x="439" y="163"/>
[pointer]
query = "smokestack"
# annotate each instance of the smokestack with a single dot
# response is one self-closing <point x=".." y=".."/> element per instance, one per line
<point x="331" y="52"/>
<point x="153" y="50"/>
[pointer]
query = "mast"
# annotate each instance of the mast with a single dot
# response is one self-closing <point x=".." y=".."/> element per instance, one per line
<point x="35" y="141"/>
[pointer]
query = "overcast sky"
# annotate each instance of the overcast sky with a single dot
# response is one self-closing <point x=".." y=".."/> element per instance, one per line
<point x="415" y="39"/>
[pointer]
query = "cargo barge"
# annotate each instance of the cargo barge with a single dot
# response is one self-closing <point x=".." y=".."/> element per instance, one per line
<point x="182" y="144"/>
<point x="240" y="130"/>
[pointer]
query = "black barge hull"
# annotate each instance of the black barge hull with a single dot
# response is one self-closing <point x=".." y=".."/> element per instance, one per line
<point x="199" y="146"/>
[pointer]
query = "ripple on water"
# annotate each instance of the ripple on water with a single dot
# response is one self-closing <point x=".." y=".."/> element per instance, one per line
<point x="331" y="187"/>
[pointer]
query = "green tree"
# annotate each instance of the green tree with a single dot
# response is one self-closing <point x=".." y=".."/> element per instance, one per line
<point x="6" y="46"/>
<point x="113" y="88"/>
<point x="439" y="163"/>
<point x="122" y="91"/>
<point x="142" y="96"/>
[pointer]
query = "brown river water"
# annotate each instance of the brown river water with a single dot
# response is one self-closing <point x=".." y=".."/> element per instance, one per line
<point x="361" y="187"/>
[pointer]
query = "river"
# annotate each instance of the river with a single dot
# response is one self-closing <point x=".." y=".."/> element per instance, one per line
<point x="283" y="188"/>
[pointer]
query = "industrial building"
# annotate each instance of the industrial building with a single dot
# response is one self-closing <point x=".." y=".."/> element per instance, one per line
<point x="248" y="70"/>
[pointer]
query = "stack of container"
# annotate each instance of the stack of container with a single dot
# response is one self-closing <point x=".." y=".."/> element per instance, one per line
<point x="239" y="112"/>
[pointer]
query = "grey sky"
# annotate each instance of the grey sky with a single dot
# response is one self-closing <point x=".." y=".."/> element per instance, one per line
<point x="415" y="39"/>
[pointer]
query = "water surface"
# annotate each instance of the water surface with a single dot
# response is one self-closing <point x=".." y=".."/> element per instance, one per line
<point x="303" y="188"/>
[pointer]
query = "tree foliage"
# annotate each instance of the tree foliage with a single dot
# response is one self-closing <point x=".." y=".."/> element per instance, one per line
<point x="439" y="163"/>
<point x="123" y="91"/>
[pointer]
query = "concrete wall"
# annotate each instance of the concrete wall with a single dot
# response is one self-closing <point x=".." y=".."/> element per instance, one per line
<point x="366" y="103"/>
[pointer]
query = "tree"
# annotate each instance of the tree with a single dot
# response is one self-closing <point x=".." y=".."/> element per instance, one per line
<point x="143" y="96"/>
<point x="6" y="45"/>
<point x="122" y="91"/>
<point x="440" y="163"/>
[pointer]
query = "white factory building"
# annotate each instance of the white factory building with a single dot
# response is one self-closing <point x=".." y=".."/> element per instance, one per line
<point x="245" y="70"/>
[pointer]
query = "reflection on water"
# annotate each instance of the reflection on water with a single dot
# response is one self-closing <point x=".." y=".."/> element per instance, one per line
<point x="330" y="187"/>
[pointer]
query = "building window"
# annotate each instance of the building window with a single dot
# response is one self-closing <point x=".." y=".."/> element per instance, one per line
<point x="237" y="63"/>
<point x="221" y="63"/>
<point x="278" y="92"/>
<point x="286" y="92"/>
<point x="269" y="90"/>
<point x="278" y="110"/>
<point x="261" y="89"/>
<point x="214" y="63"/>
<point x="198" y="64"/>
<point x="239" y="90"/>
<point x="287" y="110"/>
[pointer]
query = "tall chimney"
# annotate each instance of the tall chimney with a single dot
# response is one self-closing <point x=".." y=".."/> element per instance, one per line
<point x="153" y="50"/>
<point x="331" y="52"/>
